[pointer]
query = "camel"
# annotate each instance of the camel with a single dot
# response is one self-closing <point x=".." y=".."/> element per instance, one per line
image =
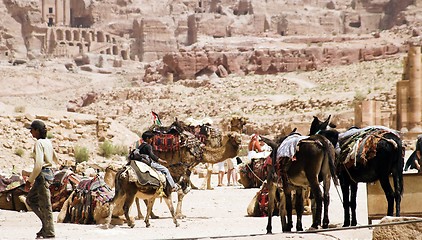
<point x="130" y="184"/>
<point x="236" y="125"/>
<point x="88" y="203"/>
<point x="253" y="174"/>
<point x="12" y="193"/>
<point x="180" y="163"/>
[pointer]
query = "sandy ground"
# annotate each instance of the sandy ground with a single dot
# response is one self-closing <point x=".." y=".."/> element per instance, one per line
<point x="211" y="214"/>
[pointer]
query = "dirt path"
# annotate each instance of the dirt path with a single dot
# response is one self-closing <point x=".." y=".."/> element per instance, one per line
<point x="215" y="214"/>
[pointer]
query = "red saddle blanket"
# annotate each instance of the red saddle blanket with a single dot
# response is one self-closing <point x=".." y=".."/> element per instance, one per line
<point x="166" y="142"/>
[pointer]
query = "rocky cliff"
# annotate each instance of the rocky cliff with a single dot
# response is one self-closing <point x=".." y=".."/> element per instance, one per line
<point x="173" y="24"/>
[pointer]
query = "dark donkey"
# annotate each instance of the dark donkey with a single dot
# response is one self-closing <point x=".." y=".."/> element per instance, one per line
<point x="378" y="152"/>
<point x="314" y="163"/>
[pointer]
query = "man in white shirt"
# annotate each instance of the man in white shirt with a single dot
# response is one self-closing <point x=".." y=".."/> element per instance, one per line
<point x="39" y="197"/>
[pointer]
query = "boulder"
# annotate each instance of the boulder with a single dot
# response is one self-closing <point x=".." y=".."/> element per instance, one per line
<point x="399" y="231"/>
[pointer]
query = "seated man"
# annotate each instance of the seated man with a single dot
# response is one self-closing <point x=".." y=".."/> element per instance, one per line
<point x="146" y="148"/>
<point x="258" y="148"/>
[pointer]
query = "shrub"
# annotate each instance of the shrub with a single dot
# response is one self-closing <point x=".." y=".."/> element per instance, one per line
<point x="20" y="109"/>
<point x="19" y="151"/>
<point x="121" y="150"/>
<point x="106" y="149"/>
<point x="81" y="154"/>
<point x="359" y="96"/>
<point x="50" y="135"/>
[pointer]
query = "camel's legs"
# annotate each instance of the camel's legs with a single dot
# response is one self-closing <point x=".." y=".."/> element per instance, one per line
<point x="207" y="181"/>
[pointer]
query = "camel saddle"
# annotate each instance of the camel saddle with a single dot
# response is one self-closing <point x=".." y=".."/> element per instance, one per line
<point x="85" y="198"/>
<point x="145" y="175"/>
<point x="9" y="183"/>
<point x="193" y="144"/>
<point x="65" y="181"/>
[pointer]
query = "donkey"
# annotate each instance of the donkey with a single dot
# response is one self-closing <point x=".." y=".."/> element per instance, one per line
<point x="379" y="153"/>
<point x="315" y="156"/>
<point x="128" y="186"/>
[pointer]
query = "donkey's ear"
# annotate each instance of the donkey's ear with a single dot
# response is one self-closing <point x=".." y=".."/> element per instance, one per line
<point x="325" y="123"/>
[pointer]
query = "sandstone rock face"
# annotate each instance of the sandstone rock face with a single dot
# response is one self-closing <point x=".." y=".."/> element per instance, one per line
<point x="146" y="30"/>
<point x="273" y="59"/>
<point x="397" y="232"/>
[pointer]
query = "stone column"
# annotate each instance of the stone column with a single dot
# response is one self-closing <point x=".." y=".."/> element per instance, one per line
<point x="415" y="89"/>
<point x="402" y="105"/>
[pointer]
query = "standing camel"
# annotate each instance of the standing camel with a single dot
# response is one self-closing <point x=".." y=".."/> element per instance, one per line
<point x="180" y="163"/>
<point x="236" y="125"/>
<point x="367" y="155"/>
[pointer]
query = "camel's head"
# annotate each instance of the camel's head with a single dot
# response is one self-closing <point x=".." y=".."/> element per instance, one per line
<point x="102" y="213"/>
<point x="237" y="123"/>
<point x="234" y="138"/>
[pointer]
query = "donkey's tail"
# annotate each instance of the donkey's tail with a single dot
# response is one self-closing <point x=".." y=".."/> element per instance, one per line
<point x="331" y="157"/>
<point x="399" y="167"/>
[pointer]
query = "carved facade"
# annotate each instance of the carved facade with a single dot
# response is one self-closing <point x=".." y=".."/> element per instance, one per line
<point x="62" y="39"/>
<point x="68" y="41"/>
<point x="56" y="12"/>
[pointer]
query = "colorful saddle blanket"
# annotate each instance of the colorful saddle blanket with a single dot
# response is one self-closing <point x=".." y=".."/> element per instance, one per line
<point x="166" y="142"/>
<point x="65" y="181"/>
<point x="360" y="145"/>
<point x="85" y="198"/>
<point x="9" y="183"/>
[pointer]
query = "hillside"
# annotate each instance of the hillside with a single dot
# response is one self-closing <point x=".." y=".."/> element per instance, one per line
<point x="273" y="104"/>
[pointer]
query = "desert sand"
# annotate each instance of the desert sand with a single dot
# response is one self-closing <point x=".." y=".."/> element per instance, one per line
<point x="210" y="214"/>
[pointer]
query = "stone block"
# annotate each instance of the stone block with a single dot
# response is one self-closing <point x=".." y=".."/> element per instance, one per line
<point x="400" y="231"/>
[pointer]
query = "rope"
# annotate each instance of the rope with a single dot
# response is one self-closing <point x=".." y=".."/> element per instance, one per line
<point x="348" y="173"/>
<point x="254" y="173"/>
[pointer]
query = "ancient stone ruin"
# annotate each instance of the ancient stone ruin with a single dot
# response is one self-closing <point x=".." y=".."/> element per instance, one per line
<point x="409" y="89"/>
<point x="407" y="115"/>
<point x="147" y="30"/>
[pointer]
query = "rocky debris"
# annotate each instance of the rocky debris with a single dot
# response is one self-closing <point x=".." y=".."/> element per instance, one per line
<point x="65" y="133"/>
<point x="83" y="101"/>
<point x="399" y="231"/>
<point x="280" y="103"/>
